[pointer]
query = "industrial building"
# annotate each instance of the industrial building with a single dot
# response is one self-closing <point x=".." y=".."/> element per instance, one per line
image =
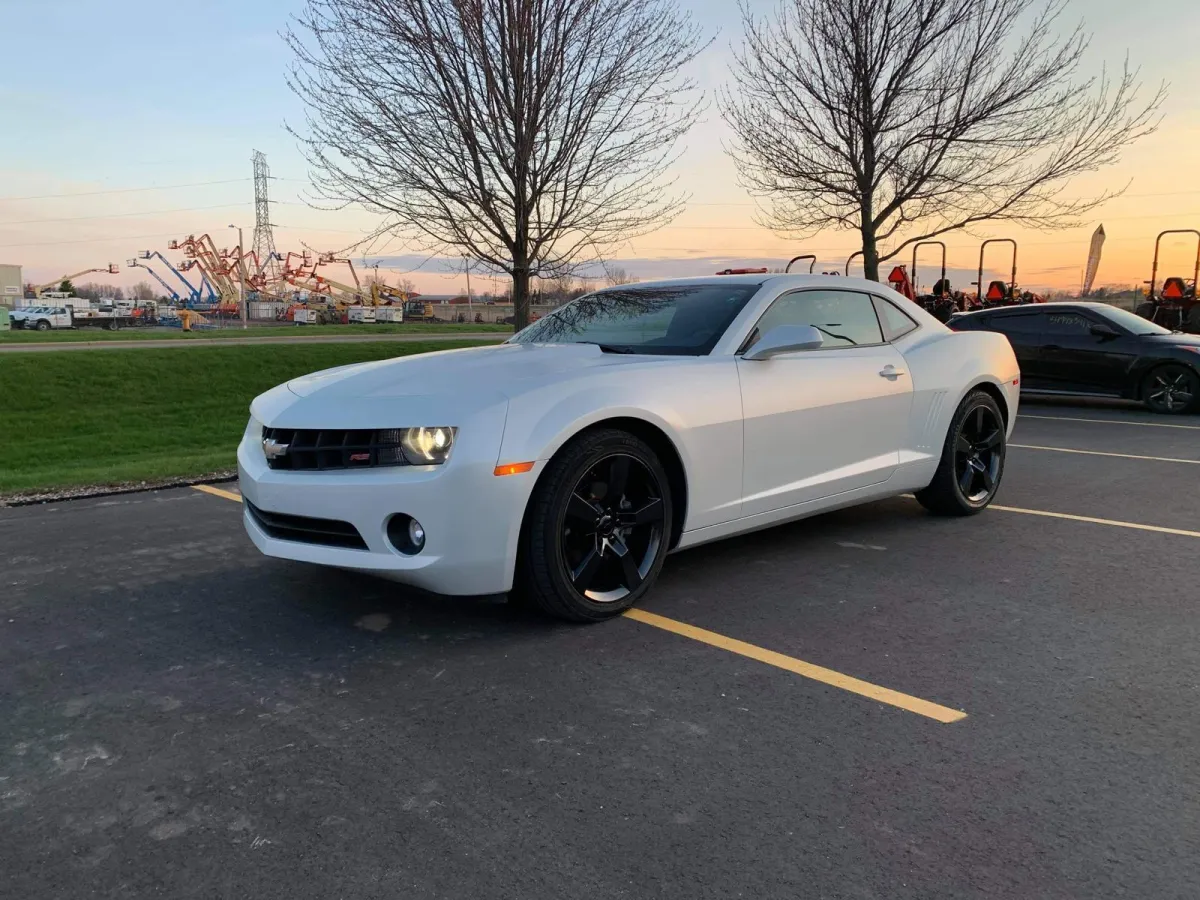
<point x="10" y="284"/>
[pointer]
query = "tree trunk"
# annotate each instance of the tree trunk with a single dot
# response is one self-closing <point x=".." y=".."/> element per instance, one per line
<point x="520" y="294"/>
<point x="870" y="247"/>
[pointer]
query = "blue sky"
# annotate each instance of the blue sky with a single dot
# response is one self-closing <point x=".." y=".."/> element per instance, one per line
<point x="133" y="94"/>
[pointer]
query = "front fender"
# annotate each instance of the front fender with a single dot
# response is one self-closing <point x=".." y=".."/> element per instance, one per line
<point x="697" y="406"/>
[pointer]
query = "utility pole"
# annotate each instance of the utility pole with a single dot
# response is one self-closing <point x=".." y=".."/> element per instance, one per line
<point x="241" y="276"/>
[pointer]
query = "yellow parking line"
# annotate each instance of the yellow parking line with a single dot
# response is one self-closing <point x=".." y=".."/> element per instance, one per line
<point x="1114" y="522"/>
<point x="1110" y="421"/>
<point x="798" y="666"/>
<point x="770" y="657"/>
<point x="1169" y="459"/>
<point x="217" y="492"/>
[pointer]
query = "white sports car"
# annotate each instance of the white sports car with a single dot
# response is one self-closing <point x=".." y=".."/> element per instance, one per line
<point x="568" y="462"/>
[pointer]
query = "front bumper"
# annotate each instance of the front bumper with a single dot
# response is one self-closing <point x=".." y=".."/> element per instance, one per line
<point x="472" y="518"/>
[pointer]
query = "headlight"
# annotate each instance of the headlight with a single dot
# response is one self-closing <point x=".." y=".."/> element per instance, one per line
<point x="428" y="446"/>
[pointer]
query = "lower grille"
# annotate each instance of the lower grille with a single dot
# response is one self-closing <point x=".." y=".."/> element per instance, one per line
<point x="306" y="530"/>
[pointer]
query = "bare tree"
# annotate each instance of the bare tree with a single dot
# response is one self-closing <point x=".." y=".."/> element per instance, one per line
<point x="143" y="292"/>
<point x="614" y="276"/>
<point x="906" y="119"/>
<point x="531" y="135"/>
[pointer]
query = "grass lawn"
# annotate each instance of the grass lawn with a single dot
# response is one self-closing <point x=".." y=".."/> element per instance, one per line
<point x="69" y="419"/>
<point x="20" y="336"/>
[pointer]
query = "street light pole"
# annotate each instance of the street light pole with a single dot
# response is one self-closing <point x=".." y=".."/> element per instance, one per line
<point x="241" y="276"/>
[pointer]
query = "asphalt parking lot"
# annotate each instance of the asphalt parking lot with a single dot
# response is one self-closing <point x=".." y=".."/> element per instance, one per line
<point x="181" y="717"/>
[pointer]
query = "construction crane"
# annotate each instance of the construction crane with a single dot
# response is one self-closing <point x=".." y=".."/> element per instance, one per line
<point x="110" y="269"/>
<point x="171" y="292"/>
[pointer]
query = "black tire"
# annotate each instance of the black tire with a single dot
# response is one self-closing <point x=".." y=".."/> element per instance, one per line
<point x="1171" y="389"/>
<point x="43" y="325"/>
<point x="1147" y="310"/>
<point x="1193" y="319"/>
<point x="570" y="563"/>
<point x="972" y="462"/>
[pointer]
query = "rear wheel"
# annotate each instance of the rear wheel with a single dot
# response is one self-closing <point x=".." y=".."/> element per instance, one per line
<point x="1193" y="319"/>
<point x="972" y="462"/>
<point x="1171" y="389"/>
<point x="597" y="529"/>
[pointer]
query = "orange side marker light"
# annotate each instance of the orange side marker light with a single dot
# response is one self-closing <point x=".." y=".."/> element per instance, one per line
<point x="513" y="468"/>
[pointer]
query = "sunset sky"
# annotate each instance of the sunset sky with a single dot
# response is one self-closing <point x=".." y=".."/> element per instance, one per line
<point x="127" y="123"/>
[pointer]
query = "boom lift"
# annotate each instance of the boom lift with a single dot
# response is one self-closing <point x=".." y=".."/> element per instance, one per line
<point x="111" y="269"/>
<point x="171" y="292"/>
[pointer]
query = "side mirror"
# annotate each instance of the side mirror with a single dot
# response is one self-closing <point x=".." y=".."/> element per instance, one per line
<point x="1104" y="332"/>
<point x="785" y="339"/>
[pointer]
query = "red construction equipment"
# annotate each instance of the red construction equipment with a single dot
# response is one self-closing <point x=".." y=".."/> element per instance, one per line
<point x="1176" y="307"/>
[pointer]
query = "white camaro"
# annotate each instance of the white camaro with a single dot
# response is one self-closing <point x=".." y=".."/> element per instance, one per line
<point x="567" y="462"/>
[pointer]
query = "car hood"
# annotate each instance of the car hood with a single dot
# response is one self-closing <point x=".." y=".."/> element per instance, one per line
<point x="1174" y="340"/>
<point x="505" y="368"/>
<point x="439" y="388"/>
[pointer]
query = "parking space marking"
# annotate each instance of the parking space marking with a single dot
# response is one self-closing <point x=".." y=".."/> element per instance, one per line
<point x="1113" y="522"/>
<point x="1110" y="421"/>
<point x="1167" y="459"/>
<point x="817" y="673"/>
<point x="916" y="705"/>
<point x="217" y="492"/>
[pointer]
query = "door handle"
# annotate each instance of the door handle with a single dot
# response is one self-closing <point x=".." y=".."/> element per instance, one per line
<point x="890" y="371"/>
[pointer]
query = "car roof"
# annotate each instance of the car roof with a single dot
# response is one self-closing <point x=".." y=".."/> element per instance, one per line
<point x="759" y="278"/>
<point x="1033" y="307"/>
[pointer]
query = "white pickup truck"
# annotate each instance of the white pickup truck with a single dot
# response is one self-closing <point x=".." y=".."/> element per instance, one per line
<point x="44" y="318"/>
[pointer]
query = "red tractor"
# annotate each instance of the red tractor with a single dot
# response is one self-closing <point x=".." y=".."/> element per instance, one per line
<point x="1176" y="307"/>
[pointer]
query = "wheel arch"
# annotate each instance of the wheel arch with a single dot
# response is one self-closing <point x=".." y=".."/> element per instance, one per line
<point x="662" y="444"/>
<point x="993" y="390"/>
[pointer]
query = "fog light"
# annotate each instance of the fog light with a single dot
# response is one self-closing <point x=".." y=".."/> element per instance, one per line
<point x="406" y="534"/>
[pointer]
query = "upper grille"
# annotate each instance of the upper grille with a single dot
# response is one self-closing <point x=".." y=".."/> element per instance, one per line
<point x="306" y="529"/>
<point x="319" y="450"/>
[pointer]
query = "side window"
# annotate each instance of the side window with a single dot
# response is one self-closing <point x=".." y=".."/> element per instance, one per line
<point x="895" y="322"/>
<point x="844" y="318"/>
<point x="1024" y="324"/>
<point x="1066" y="323"/>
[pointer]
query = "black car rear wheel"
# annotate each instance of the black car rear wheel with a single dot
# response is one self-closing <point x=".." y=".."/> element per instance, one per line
<point x="1171" y="389"/>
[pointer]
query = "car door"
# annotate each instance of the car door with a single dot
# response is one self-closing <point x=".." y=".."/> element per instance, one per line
<point x="821" y="422"/>
<point x="1074" y="359"/>
<point x="1023" y="328"/>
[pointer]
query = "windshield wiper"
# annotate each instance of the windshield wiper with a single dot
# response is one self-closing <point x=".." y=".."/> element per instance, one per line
<point x="608" y="348"/>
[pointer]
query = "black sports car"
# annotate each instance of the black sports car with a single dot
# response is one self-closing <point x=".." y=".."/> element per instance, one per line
<point x="1098" y="350"/>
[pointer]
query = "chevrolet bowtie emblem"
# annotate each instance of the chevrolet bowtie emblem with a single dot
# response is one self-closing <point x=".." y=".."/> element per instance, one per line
<point x="273" y="449"/>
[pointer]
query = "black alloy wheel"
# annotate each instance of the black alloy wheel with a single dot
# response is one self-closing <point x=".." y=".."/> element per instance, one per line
<point x="597" y="528"/>
<point x="979" y="454"/>
<point x="612" y="528"/>
<point x="972" y="462"/>
<point x="1171" y="389"/>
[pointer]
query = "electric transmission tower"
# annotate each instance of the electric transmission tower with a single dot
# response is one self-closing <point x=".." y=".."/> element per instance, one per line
<point x="264" y="239"/>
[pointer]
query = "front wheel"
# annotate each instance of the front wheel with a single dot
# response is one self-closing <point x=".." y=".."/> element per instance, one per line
<point x="972" y="462"/>
<point x="1171" y="389"/>
<point x="43" y="325"/>
<point x="597" y="529"/>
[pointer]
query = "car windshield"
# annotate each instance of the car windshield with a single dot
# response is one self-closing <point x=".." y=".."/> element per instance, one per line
<point x="679" y="320"/>
<point x="1132" y="322"/>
